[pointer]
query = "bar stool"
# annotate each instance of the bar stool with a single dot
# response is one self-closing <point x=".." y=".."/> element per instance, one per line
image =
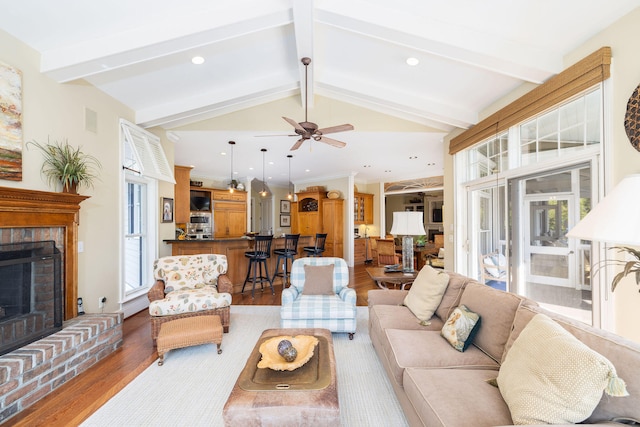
<point x="288" y="252"/>
<point x="257" y="260"/>
<point x="318" y="248"/>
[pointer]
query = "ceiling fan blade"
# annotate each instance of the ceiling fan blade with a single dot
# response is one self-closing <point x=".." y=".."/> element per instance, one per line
<point x="331" y="141"/>
<point x="297" y="144"/>
<point x="266" y="136"/>
<point x="295" y="124"/>
<point x="333" y="129"/>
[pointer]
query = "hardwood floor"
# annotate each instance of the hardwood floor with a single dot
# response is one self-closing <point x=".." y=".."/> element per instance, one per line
<point x="76" y="400"/>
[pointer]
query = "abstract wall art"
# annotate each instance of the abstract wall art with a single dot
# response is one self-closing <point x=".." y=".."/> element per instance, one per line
<point x="10" y="123"/>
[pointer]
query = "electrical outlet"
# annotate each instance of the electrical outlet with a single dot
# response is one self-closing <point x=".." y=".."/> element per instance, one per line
<point x="101" y="302"/>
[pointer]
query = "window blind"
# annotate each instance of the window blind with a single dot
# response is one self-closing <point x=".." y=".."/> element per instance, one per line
<point x="588" y="72"/>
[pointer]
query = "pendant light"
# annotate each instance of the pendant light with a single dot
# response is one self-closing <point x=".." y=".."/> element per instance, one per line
<point x="263" y="193"/>
<point x="232" y="187"/>
<point x="290" y="195"/>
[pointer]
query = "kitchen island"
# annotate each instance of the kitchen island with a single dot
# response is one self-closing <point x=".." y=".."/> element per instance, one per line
<point x="234" y="248"/>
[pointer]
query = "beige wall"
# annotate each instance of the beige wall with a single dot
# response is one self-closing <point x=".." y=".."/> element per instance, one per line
<point x="621" y="158"/>
<point x="57" y="111"/>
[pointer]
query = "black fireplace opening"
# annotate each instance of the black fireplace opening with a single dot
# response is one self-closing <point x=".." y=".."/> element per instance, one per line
<point x="30" y="293"/>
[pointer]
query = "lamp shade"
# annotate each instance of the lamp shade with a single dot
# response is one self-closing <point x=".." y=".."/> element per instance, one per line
<point x="616" y="219"/>
<point x="408" y="224"/>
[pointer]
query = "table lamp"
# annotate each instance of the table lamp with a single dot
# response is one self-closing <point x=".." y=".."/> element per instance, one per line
<point x="407" y="224"/>
<point x="615" y="219"/>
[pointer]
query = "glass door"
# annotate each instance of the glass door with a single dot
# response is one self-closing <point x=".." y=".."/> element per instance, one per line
<point x="553" y="269"/>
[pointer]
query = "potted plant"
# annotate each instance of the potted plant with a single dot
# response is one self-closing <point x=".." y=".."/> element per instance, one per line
<point x="67" y="165"/>
<point x="630" y="266"/>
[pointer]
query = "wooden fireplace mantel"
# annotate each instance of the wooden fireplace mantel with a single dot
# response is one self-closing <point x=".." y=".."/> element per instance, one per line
<point x="30" y="208"/>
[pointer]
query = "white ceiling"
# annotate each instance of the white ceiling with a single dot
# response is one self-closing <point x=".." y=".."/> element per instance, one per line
<point x="471" y="53"/>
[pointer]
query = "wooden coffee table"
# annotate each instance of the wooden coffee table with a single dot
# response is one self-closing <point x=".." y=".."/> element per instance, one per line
<point x="381" y="277"/>
<point x="305" y="396"/>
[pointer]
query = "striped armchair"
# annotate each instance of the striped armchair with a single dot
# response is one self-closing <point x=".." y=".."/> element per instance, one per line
<point x="336" y="312"/>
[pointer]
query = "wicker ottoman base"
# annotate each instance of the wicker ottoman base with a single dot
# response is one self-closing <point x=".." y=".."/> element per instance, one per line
<point x="187" y="332"/>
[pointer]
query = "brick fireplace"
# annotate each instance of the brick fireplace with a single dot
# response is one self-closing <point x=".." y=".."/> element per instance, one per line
<point x="30" y="372"/>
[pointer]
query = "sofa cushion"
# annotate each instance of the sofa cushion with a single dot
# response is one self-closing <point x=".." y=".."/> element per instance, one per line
<point x="497" y="310"/>
<point x="455" y="397"/>
<point x="426" y="292"/>
<point x="318" y="280"/>
<point x="189" y="300"/>
<point x="549" y="376"/>
<point x="189" y="271"/>
<point x="460" y="328"/>
<point x="318" y="307"/>
<point x="452" y="295"/>
<point x="623" y="353"/>
<point x="426" y="349"/>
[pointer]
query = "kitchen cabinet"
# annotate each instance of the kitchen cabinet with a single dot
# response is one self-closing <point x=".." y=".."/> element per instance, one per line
<point x="308" y="215"/>
<point x="229" y="219"/>
<point x="362" y="208"/>
<point x="181" y="193"/>
<point x="236" y="196"/>
<point x="333" y="225"/>
<point x="362" y="250"/>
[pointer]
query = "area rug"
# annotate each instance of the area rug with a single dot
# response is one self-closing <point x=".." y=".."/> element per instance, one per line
<point x="192" y="386"/>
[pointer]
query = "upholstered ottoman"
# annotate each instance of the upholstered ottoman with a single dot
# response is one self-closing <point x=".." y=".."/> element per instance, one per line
<point x="189" y="331"/>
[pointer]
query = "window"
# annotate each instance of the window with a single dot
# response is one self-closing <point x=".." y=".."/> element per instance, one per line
<point x="563" y="130"/>
<point x="489" y="158"/>
<point x="144" y="163"/>
<point x="135" y="237"/>
<point x="525" y="188"/>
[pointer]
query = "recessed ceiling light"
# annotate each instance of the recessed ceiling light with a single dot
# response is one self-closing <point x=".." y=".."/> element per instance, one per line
<point x="223" y="153"/>
<point x="307" y="170"/>
<point x="251" y="168"/>
<point x="197" y="60"/>
<point x="413" y="61"/>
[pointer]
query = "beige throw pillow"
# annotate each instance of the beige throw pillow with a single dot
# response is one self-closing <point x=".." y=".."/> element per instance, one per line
<point x="318" y="280"/>
<point x="426" y="292"/>
<point x="550" y="377"/>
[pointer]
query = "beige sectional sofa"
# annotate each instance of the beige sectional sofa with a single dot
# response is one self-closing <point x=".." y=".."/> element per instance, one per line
<point x="437" y="385"/>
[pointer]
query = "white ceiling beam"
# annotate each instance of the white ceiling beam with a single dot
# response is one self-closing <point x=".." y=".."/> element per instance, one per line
<point x="353" y="90"/>
<point x="303" y="27"/>
<point x="533" y="65"/>
<point x="210" y="104"/>
<point x="122" y="49"/>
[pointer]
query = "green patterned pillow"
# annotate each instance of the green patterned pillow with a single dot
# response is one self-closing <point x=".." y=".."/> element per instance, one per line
<point x="460" y="327"/>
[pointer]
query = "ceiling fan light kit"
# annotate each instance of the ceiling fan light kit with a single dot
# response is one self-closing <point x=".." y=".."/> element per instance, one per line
<point x="309" y="130"/>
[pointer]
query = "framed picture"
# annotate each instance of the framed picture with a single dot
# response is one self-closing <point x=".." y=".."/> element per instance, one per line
<point x="285" y="206"/>
<point x="285" y="221"/>
<point x="167" y="209"/>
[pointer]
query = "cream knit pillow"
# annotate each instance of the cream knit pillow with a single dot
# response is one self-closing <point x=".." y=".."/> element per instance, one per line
<point x="550" y="377"/>
<point x="426" y="292"/>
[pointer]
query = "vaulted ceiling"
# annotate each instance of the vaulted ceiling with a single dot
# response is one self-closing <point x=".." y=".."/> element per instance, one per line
<point x="470" y="53"/>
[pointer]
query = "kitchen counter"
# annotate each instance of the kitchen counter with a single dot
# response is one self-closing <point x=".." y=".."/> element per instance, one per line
<point x="234" y="248"/>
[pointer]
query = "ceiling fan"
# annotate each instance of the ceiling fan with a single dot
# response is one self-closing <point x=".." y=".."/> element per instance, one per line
<point x="307" y="129"/>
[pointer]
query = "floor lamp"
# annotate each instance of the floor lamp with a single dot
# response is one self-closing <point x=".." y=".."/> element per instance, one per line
<point x="407" y="224"/>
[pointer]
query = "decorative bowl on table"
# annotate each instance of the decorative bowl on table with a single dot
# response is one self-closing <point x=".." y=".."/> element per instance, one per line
<point x="271" y="358"/>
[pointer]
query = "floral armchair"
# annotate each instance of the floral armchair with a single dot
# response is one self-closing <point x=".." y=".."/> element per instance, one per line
<point x="189" y="285"/>
<point x="319" y="296"/>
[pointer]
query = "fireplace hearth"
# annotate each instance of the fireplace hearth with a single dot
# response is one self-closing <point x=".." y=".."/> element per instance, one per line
<point x="30" y="293"/>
